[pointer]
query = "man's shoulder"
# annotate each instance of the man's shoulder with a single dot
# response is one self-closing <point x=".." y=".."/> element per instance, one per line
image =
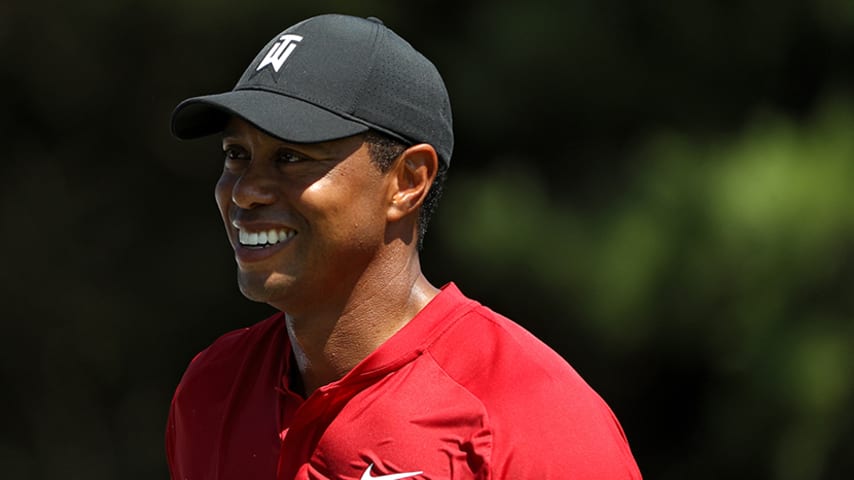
<point x="228" y="352"/>
<point x="537" y="406"/>
<point x="492" y="336"/>
<point x="508" y="368"/>
<point x="228" y="386"/>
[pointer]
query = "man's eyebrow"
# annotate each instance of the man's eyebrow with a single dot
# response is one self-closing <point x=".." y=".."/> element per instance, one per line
<point x="320" y="149"/>
<point x="315" y="149"/>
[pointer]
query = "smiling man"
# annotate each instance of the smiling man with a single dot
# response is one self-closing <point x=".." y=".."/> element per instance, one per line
<point x="336" y="141"/>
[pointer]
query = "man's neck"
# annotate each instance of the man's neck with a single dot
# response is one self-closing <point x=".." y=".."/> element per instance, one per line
<point x="330" y="341"/>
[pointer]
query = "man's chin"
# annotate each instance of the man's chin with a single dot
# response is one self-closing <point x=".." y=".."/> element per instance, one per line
<point x="263" y="290"/>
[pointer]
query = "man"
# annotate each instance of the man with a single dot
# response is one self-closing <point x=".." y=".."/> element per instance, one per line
<point x="336" y="140"/>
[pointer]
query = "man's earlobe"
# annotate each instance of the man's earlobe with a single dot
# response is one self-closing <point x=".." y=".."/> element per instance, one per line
<point x="414" y="172"/>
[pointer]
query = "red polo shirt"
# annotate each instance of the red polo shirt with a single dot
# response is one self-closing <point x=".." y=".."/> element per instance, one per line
<point x="459" y="393"/>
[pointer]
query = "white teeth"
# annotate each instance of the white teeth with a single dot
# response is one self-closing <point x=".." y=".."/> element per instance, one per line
<point x="269" y="237"/>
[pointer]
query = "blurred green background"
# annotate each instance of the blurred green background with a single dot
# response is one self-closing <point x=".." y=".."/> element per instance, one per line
<point x="660" y="190"/>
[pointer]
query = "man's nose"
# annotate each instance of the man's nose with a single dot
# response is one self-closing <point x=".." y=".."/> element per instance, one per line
<point x="255" y="187"/>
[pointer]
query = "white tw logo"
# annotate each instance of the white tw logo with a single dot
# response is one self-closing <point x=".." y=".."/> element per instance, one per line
<point x="280" y="51"/>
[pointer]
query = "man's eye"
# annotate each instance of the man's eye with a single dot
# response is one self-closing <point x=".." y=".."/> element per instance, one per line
<point x="234" y="157"/>
<point x="233" y="154"/>
<point x="290" y="157"/>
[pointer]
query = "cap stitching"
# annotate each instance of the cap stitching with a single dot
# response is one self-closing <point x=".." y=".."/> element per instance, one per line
<point x="379" y="35"/>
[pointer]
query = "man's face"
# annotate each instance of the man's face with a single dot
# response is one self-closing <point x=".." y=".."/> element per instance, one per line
<point x="304" y="219"/>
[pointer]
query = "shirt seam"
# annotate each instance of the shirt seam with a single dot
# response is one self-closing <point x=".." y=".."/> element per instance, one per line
<point x="487" y="422"/>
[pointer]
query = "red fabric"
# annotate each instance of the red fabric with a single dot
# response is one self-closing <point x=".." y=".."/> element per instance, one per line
<point x="459" y="393"/>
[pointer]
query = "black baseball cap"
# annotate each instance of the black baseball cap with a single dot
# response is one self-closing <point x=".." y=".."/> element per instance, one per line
<point x="330" y="77"/>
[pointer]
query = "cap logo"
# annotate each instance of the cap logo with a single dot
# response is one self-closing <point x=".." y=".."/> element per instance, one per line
<point x="279" y="52"/>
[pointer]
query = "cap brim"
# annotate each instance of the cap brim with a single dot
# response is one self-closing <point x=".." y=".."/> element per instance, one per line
<point x="283" y="117"/>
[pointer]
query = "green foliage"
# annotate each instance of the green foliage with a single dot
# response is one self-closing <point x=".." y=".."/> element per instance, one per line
<point x="734" y="250"/>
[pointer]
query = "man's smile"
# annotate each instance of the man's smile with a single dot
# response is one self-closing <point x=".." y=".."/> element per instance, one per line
<point x="260" y="241"/>
<point x="264" y="238"/>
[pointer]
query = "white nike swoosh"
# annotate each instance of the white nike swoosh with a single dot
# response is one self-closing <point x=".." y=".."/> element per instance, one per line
<point x="394" y="476"/>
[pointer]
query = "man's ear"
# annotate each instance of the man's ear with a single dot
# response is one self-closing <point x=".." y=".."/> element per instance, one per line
<point x="412" y="175"/>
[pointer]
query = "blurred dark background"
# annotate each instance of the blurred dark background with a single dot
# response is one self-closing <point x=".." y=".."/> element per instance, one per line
<point x="660" y="190"/>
